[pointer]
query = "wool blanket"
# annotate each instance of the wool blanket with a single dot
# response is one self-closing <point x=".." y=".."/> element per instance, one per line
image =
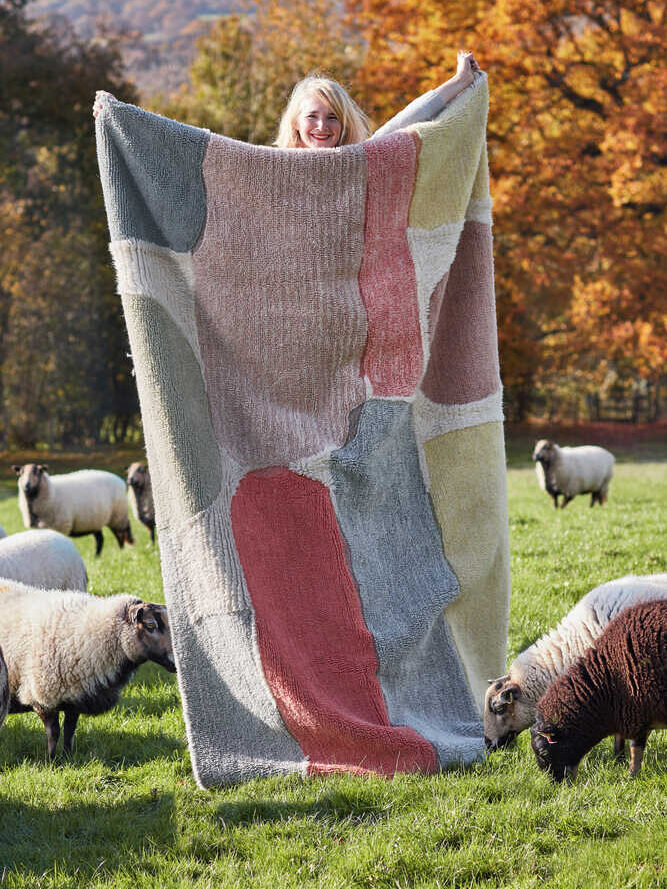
<point x="315" y="347"/>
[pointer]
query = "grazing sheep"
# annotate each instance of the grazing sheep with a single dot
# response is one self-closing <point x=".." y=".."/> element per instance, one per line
<point x="572" y="471"/>
<point x="618" y="687"/>
<point x="74" y="652"/>
<point x="4" y="689"/>
<point x="75" y="504"/>
<point x="510" y="702"/>
<point x="43" y="558"/>
<point x="141" y="496"/>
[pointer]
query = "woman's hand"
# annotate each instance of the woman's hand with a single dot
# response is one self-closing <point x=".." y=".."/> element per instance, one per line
<point x="467" y="66"/>
<point x="100" y="96"/>
<point x="465" y="75"/>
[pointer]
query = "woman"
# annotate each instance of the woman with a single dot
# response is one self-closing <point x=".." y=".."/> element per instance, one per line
<point x="321" y="114"/>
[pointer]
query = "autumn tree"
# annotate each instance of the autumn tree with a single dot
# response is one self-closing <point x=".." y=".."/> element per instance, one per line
<point x="247" y="64"/>
<point x="577" y="165"/>
<point x="63" y="364"/>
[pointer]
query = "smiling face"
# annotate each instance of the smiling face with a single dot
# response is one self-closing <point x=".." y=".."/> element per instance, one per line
<point x="317" y="124"/>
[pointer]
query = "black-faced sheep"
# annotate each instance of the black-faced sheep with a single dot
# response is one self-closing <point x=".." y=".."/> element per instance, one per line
<point x="74" y="652"/>
<point x="43" y="558"/>
<point x="510" y="702"/>
<point x="75" y="503"/>
<point x="618" y="687"/>
<point x="141" y="496"/>
<point x="4" y="689"/>
<point x="570" y="471"/>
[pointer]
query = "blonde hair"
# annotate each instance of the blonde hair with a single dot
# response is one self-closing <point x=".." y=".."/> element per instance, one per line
<point x="355" y="125"/>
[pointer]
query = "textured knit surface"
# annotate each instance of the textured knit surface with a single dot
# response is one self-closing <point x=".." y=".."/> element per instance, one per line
<point x="315" y="348"/>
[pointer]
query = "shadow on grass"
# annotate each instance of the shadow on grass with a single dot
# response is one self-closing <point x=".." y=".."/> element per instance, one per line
<point x="26" y="741"/>
<point x="79" y="839"/>
<point x="334" y="806"/>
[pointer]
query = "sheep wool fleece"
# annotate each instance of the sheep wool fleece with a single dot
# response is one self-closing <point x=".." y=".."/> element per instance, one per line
<point x="315" y="347"/>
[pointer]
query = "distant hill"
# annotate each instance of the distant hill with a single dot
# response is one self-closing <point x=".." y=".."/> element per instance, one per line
<point x="159" y="35"/>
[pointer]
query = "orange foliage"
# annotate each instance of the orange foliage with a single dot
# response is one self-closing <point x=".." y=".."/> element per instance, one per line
<point x="577" y="95"/>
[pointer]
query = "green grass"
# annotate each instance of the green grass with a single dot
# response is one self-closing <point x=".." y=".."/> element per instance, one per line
<point x="125" y="812"/>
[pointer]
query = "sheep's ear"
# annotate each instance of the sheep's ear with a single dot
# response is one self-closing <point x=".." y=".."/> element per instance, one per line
<point x="17" y="469"/>
<point x="136" y="613"/>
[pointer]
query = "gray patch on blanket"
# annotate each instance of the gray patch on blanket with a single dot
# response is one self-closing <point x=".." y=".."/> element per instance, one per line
<point x="405" y="582"/>
<point x="152" y="192"/>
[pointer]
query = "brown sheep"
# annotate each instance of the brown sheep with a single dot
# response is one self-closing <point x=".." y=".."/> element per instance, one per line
<point x="618" y="687"/>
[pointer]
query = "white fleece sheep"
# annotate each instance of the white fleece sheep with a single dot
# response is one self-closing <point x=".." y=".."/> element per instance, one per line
<point x="43" y="558"/>
<point x="510" y="702"/>
<point x="4" y="689"/>
<point x="74" y="652"/>
<point x="75" y="503"/>
<point x="140" y="493"/>
<point x="570" y="471"/>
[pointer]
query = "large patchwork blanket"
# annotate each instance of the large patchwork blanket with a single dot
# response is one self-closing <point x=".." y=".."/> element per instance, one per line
<point x="314" y="339"/>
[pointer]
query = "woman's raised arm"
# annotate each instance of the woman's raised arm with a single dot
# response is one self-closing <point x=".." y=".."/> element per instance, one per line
<point x="429" y="105"/>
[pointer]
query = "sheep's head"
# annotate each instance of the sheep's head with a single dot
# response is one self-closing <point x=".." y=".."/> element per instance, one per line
<point x="506" y="712"/>
<point x="30" y="477"/>
<point x="150" y="637"/>
<point x="137" y="475"/>
<point x="554" y="755"/>
<point x="544" y="451"/>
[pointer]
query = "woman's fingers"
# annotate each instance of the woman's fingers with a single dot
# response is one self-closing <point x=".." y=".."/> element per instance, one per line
<point x="100" y="96"/>
<point x="466" y="63"/>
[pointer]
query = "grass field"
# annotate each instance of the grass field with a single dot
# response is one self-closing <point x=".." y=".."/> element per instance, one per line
<point x="125" y="811"/>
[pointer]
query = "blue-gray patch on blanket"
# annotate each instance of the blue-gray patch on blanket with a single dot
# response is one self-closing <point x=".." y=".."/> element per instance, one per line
<point x="405" y="582"/>
<point x="151" y="171"/>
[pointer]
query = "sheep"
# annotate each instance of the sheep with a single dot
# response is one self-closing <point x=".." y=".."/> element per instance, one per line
<point x="510" y="702"/>
<point x="43" y="558"/>
<point x="76" y="503"/>
<point x="619" y="686"/>
<point x="571" y="471"/>
<point x="141" y="496"/>
<point x="4" y="689"/>
<point x="74" y="652"/>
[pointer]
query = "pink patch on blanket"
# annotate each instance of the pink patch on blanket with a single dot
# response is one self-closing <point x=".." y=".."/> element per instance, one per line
<point x="317" y="654"/>
<point x="393" y="358"/>
<point x="464" y="355"/>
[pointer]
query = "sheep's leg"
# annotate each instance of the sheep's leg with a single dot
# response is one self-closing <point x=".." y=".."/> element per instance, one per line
<point x="637" y="753"/>
<point x="51" y="721"/>
<point x="99" y="542"/>
<point x="566" y="500"/>
<point x="124" y="535"/>
<point x="69" y="727"/>
<point x="619" y="746"/>
<point x="555" y="496"/>
<point x="151" y="528"/>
